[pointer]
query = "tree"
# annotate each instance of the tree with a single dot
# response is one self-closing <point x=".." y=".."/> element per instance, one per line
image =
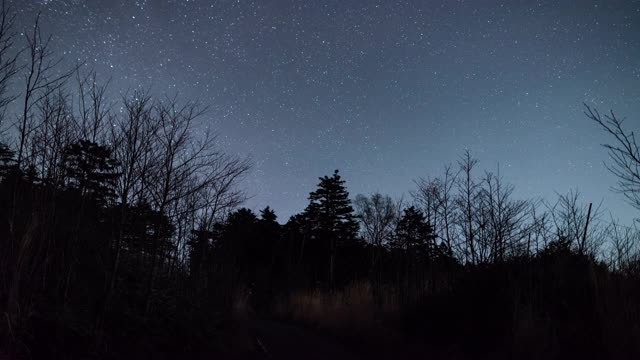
<point x="332" y="217"/>
<point x="507" y="222"/>
<point x="42" y="78"/>
<point x="8" y="69"/>
<point x="7" y="160"/>
<point x="414" y="248"/>
<point x="8" y="57"/>
<point x="414" y="234"/>
<point x="570" y="218"/>
<point x="53" y="134"/>
<point x="624" y="154"/>
<point x="90" y="168"/>
<point x="466" y="202"/>
<point x="131" y="137"/>
<point x="182" y="164"/>
<point x="268" y="215"/>
<point x="623" y="250"/>
<point x="437" y="200"/>
<point x="378" y="216"/>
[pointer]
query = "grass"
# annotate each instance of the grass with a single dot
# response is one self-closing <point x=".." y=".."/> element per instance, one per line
<point x="547" y="309"/>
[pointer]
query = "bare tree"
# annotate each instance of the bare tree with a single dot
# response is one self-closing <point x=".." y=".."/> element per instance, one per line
<point x="623" y="246"/>
<point x="180" y="158"/>
<point x="52" y="134"/>
<point x="541" y="233"/>
<point x="468" y="191"/>
<point x="570" y="217"/>
<point x="436" y="198"/>
<point x="8" y="57"/>
<point x="624" y="154"/>
<point x="378" y="216"/>
<point x="41" y="83"/>
<point x="131" y="138"/>
<point x="508" y="219"/>
<point x="94" y="111"/>
<point x="40" y="80"/>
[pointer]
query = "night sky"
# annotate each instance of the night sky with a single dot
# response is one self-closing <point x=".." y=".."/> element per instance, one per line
<point x="385" y="91"/>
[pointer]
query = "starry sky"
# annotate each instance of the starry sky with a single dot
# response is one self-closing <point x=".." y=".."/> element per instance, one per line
<point x="385" y="91"/>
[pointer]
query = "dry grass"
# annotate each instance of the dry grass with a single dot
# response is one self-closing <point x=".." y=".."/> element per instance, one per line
<point x="357" y="310"/>
<point x="539" y="315"/>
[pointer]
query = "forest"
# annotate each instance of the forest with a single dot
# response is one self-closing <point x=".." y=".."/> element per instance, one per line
<point x="122" y="235"/>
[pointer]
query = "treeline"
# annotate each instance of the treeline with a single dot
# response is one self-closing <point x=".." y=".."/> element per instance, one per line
<point x="462" y="269"/>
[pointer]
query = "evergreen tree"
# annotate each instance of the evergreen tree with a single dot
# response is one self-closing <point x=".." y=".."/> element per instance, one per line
<point x="200" y="245"/>
<point x="268" y="215"/>
<point x="7" y="160"/>
<point x="414" y="234"/>
<point x="332" y="217"/>
<point x="90" y="168"/>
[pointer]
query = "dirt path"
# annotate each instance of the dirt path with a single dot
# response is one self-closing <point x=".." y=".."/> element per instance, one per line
<point x="285" y="341"/>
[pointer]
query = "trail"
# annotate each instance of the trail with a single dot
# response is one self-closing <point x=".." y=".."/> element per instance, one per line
<point x="277" y="340"/>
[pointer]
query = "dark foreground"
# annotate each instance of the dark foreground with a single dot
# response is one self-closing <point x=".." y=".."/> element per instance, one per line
<point x="276" y="340"/>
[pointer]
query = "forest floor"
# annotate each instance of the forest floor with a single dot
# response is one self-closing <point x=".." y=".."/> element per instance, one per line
<point x="278" y="340"/>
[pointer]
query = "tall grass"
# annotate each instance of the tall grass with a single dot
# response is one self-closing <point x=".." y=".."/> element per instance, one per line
<point x="354" y="309"/>
<point x="542" y="309"/>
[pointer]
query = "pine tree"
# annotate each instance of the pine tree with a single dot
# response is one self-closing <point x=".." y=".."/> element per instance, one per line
<point x="90" y="168"/>
<point x="332" y="217"/>
<point x="7" y="160"/>
<point x="268" y="215"/>
<point x="414" y="234"/>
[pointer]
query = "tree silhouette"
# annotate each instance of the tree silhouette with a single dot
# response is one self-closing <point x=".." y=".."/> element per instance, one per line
<point x="414" y="234"/>
<point x="378" y="217"/>
<point x="332" y="218"/>
<point x="7" y="160"/>
<point x="467" y="202"/>
<point x="90" y="168"/>
<point x="624" y="154"/>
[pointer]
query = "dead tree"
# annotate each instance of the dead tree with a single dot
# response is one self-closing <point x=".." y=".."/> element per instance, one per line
<point x="40" y="81"/>
<point x="378" y="216"/>
<point x="569" y="219"/>
<point x="508" y="219"/>
<point x="438" y="201"/>
<point x="468" y="191"/>
<point x="181" y="158"/>
<point x="624" y="154"/>
<point x="8" y="57"/>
